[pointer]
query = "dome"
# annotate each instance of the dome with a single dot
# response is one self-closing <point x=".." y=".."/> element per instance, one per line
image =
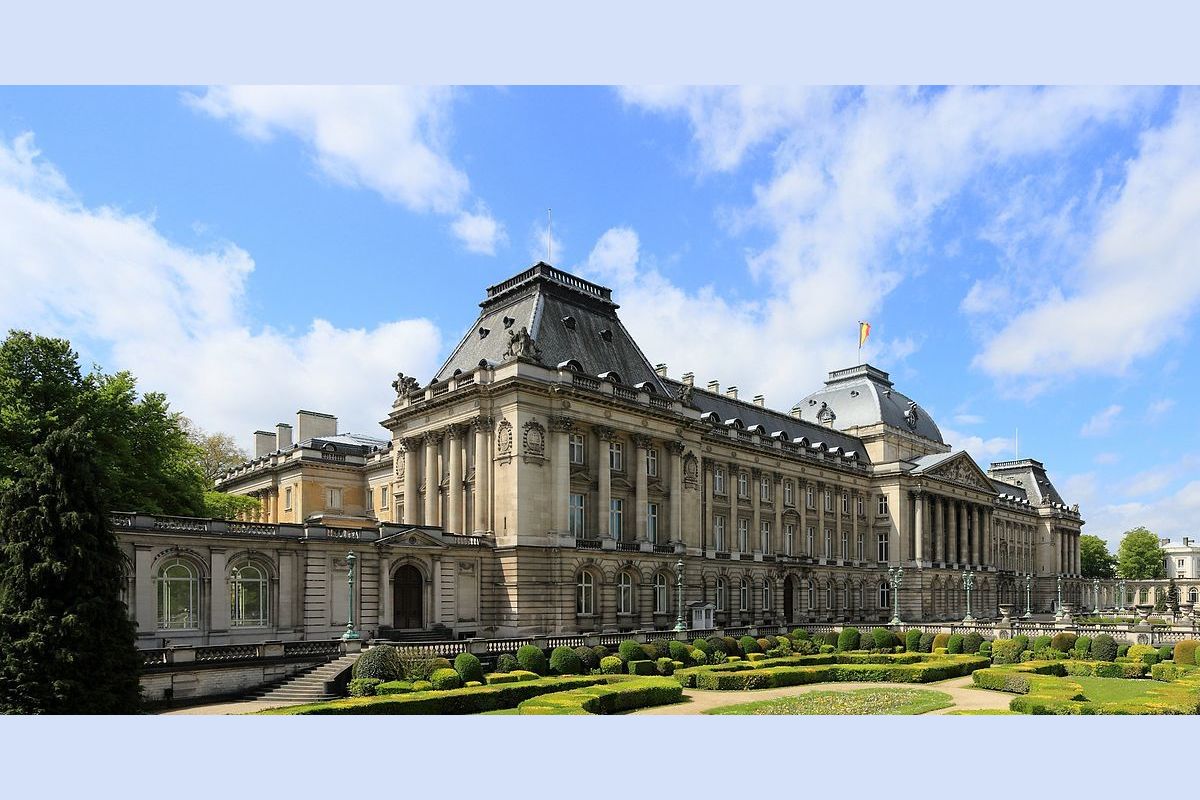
<point x="862" y="396"/>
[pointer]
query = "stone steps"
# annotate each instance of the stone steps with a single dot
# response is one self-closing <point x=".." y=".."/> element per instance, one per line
<point x="307" y="686"/>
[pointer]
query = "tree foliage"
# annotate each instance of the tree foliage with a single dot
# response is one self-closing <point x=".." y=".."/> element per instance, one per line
<point x="1140" y="556"/>
<point x="1094" y="558"/>
<point x="222" y="505"/>
<point x="66" y="640"/>
<point x="217" y="453"/>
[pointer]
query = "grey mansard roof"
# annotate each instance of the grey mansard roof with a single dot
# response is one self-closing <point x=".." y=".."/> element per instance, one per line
<point x="1029" y="476"/>
<point x="864" y="395"/>
<point x="570" y="319"/>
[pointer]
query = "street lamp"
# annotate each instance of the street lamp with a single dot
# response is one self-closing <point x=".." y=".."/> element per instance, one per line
<point x="235" y="584"/>
<point x="350" y="632"/>
<point x="968" y="585"/>
<point x="1028" y="595"/>
<point x="1121" y="594"/>
<point x="679" y="624"/>
<point x="896" y="578"/>
<point x="1096" y="595"/>
<point x="1058" y="609"/>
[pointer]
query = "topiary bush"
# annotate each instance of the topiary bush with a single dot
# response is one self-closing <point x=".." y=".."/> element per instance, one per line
<point x="1165" y="653"/>
<point x="654" y="650"/>
<point x="565" y="661"/>
<point x="848" y="639"/>
<point x="601" y="651"/>
<point x="800" y="634"/>
<point x="926" y="643"/>
<point x="641" y="668"/>
<point x="468" y="667"/>
<point x="532" y="659"/>
<point x="941" y="640"/>
<point x="730" y="646"/>
<point x="912" y="641"/>
<point x="381" y="662"/>
<point x="971" y="642"/>
<point x="588" y="657"/>
<point x="748" y="645"/>
<point x="1104" y="648"/>
<point x="764" y="644"/>
<point x="665" y="666"/>
<point x="1144" y="653"/>
<point x="364" y="687"/>
<point x="1024" y="640"/>
<point x="985" y="648"/>
<point x="1122" y="649"/>
<point x="445" y="678"/>
<point x="1006" y="651"/>
<point x="629" y="650"/>
<point x="883" y="638"/>
<point x="1063" y="642"/>
<point x="506" y="662"/>
<point x="679" y="651"/>
<point x="702" y="645"/>
<point x="827" y="648"/>
<point x="1185" y="652"/>
<point x="1040" y="643"/>
<point x="421" y="686"/>
<point x="830" y="638"/>
<point x="954" y="644"/>
<point x="1082" y="649"/>
<point x="612" y="665"/>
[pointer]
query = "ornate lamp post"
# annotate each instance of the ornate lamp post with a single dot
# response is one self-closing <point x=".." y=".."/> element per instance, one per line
<point x="896" y="578"/>
<point x="1028" y="595"/>
<point x="1121" y="594"/>
<point x="235" y="585"/>
<point x="679" y="623"/>
<point x="1096" y="595"/>
<point x="1058" y="609"/>
<point x="350" y="632"/>
<point x="968" y="585"/>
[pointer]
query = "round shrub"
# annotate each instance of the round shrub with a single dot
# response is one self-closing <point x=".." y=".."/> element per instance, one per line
<point x="926" y="643"/>
<point x="1024" y="640"/>
<point x="800" y="634"/>
<point x="784" y="645"/>
<point x="702" y="645"/>
<point x="941" y="640"/>
<point x="565" y="661"/>
<point x="804" y="647"/>
<point x="1063" y="642"/>
<point x="587" y="657"/>
<point x="1104" y="648"/>
<point x="971" y="642"/>
<point x="1144" y="653"/>
<point x="830" y="638"/>
<point x="772" y="640"/>
<point x="748" y="645"/>
<point x="468" y="667"/>
<point x="381" y="662"/>
<point x="1082" y="649"/>
<point x="827" y="648"/>
<point x="612" y="665"/>
<point x="848" y="639"/>
<point x="601" y="651"/>
<point x="1040" y="643"/>
<point x="883" y="638"/>
<point x="764" y="644"/>
<point x="1006" y="651"/>
<point x="364" y="687"/>
<point x="1185" y="652"/>
<point x="1165" y="653"/>
<point x="444" y="678"/>
<point x="1122" y="649"/>
<point x="665" y="666"/>
<point x="955" y="643"/>
<point x="421" y="686"/>
<point x="985" y="648"/>
<point x="679" y="651"/>
<point x="532" y="658"/>
<point x="912" y="641"/>
<point x="629" y="650"/>
<point x="506" y="662"/>
<point x="653" y="650"/>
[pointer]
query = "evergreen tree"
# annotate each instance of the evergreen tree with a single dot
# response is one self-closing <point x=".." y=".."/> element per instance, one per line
<point x="66" y="640"/>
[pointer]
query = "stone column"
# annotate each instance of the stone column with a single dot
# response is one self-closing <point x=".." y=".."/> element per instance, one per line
<point x="433" y="477"/>
<point x="412" y="480"/>
<point x="218" y="595"/>
<point x="964" y="533"/>
<point x="819" y="539"/>
<point x="676" y="450"/>
<point x="604" y="478"/>
<point x="919" y="527"/>
<point x="287" y="591"/>
<point x="951" y="532"/>
<point x="756" y="508"/>
<point x="561" y="515"/>
<point x="706" y="536"/>
<point x="640" y="444"/>
<point x="436" y="605"/>
<point x="454" y="491"/>
<point x="976" y="535"/>
<point x="837" y="525"/>
<point x="777" y="530"/>
<point x="385" y="591"/>
<point x="483" y="471"/>
<point x="144" y="600"/>
<point x="939" y="533"/>
<point x="802" y="487"/>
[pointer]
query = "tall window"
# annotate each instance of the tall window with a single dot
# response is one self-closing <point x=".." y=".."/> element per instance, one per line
<point x="660" y="594"/>
<point x="828" y="543"/>
<point x="1193" y="596"/>
<point x="764" y="536"/>
<point x="370" y="499"/>
<point x="624" y="593"/>
<point x="722" y="590"/>
<point x="576" y="516"/>
<point x="616" y="507"/>
<point x="861" y="602"/>
<point x="719" y="533"/>
<point x="859" y="502"/>
<point x="652" y="522"/>
<point x="808" y="548"/>
<point x="249" y="597"/>
<point x="178" y="593"/>
<point x="616" y="456"/>
<point x="860" y="551"/>
<point x="883" y="505"/>
<point x="808" y="496"/>
<point x="744" y="595"/>
<point x="828" y="500"/>
<point x="764" y="488"/>
<point x="743" y="536"/>
<point x="575" y="446"/>
<point x="883" y="547"/>
<point x="845" y="503"/>
<point x="885" y="595"/>
<point x="845" y="596"/>
<point x="334" y="498"/>
<point x="585" y="594"/>
<point x="829" y="597"/>
<point x="812" y="595"/>
<point x="845" y="550"/>
<point x="383" y="497"/>
<point x="766" y="595"/>
<point x="718" y="480"/>
<point x="287" y="498"/>
<point x="789" y="493"/>
<point x="652" y="462"/>
<point x="789" y="539"/>
<point x="743" y="485"/>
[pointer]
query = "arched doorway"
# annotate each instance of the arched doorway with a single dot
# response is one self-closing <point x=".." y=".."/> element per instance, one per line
<point x="407" y="598"/>
<point x="789" y="597"/>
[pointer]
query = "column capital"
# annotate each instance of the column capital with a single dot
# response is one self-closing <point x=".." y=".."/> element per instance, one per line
<point x="456" y="430"/>
<point x="604" y="432"/>
<point x="408" y="444"/>
<point x="432" y="437"/>
<point x="562" y="424"/>
<point x="483" y="423"/>
<point x="755" y="473"/>
<point x="675" y="447"/>
<point x="641" y="441"/>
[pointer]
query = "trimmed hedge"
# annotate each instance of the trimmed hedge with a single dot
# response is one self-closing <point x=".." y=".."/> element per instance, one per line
<point x="985" y="648"/>
<point x="641" y="668"/>
<point x="1144" y="653"/>
<point x="394" y="687"/>
<point x="748" y="645"/>
<point x="1044" y="690"/>
<point x="565" y="661"/>
<point x="1040" y="643"/>
<point x="971" y="642"/>
<point x="629" y="650"/>
<point x="849" y="639"/>
<point x="1170" y="671"/>
<point x="1104" y="648"/>
<point x="830" y="638"/>
<point x="941" y="640"/>
<point x="363" y="687"/>
<point x="679" y="651"/>
<point x="665" y="666"/>
<point x="1165" y="653"/>
<point x="954" y="645"/>
<point x="772" y="677"/>
<point x="611" y="665"/>
<point x="1006" y="651"/>
<point x="532" y="658"/>
<point x="381" y="662"/>
<point x="506" y="662"/>
<point x="443" y="679"/>
<point x="606" y="698"/>
<point x="1083" y="648"/>
<point x="495" y="678"/>
<point x="926" y="642"/>
<point x="912" y="641"/>
<point x="468" y="667"/>
<point x="588" y="658"/>
<point x="883" y="638"/>
<point x="799" y="634"/>
<point x="1185" y="652"/>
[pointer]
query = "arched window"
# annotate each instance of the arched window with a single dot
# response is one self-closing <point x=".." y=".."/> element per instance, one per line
<point x="885" y="595"/>
<point x="861" y="601"/>
<point x="660" y="594"/>
<point x="1193" y="595"/>
<point x="585" y="594"/>
<point x="249" y="597"/>
<point x="744" y="595"/>
<point x="829" y="597"/>
<point x="766" y="594"/>
<point x="624" y="593"/>
<point x="722" y="588"/>
<point x="178" y="595"/>
<point x="1143" y="595"/>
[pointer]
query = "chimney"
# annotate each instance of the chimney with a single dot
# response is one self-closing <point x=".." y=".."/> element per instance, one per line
<point x="283" y="436"/>
<point x="731" y="392"/>
<point x="714" y="387"/>
<point x="759" y="400"/>
<point x="661" y="369"/>
<point x="689" y="379"/>
<point x="264" y="443"/>
<point x="796" y="411"/>
<point x="313" y="425"/>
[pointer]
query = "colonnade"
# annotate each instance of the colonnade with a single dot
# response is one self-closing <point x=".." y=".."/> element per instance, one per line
<point x="423" y="458"/>
<point x="954" y="532"/>
<point x="1014" y="546"/>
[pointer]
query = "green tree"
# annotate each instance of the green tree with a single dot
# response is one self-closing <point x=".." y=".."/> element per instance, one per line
<point x="1140" y="556"/>
<point x="1094" y="558"/>
<point x="66" y="640"/>
<point x="218" y="453"/>
<point x="222" y="505"/>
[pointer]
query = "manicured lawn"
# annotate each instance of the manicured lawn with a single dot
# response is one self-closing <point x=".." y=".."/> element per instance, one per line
<point x="1117" y="690"/>
<point x="984" y="712"/>
<point x="859" y="701"/>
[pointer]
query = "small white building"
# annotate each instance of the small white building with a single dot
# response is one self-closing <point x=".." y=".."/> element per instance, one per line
<point x="1182" y="560"/>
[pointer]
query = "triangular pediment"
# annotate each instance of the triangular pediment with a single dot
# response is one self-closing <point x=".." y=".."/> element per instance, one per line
<point x="414" y="537"/>
<point x="959" y="468"/>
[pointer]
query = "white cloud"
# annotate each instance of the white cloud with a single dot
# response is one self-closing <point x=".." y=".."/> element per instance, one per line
<point x="110" y="281"/>
<point x="1171" y="517"/>
<point x="389" y="139"/>
<point x="1158" y="408"/>
<point x="1101" y="422"/>
<point x="1137" y="283"/>
<point x="967" y="419"/>
<point x="984" y="297"/>
<point x="984" y="451"/>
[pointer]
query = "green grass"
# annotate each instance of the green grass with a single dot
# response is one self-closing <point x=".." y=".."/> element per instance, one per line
<point x="1117" y="690"/>
<point x="510" y="711"/>
<point x="984" y="712"/>
<point x="859" y="701"/>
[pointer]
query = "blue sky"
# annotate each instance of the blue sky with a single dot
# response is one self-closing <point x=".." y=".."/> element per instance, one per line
<point x="1026" y="257"/>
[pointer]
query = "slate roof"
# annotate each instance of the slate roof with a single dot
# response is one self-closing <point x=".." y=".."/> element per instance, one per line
<point x="1032" y="476"/>
<point x="570" y="319"/>
<point x="864" y="395"/>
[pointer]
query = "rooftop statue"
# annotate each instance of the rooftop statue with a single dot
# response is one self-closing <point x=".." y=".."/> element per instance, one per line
<point x="405" y="385"/>
<point x="522" y="345"/>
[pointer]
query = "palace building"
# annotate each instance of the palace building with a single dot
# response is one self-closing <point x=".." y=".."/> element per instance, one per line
<point x="550" y="479"/>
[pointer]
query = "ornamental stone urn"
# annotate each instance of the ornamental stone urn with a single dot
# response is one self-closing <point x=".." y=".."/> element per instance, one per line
<point x="1067" y="608"/>
<point x="1143" y="612"/>
<point x="1006" y="610"/>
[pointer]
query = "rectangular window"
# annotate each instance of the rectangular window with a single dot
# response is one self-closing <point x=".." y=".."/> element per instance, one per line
<point x="789" y="497"/>
<point x="743" y="536"/>
<point x="764" y="489"/>
<point x="652" y="522"/>
<point x="861" y="511"/>
<point x="383" y="497"/>
<point x="828" y="543"/>
<point x="883" y="548"/>
<point x="883" y="505"/>
<point x="764" y="536"/>
<point x="652" y="462"/>
<point x="576" y="516"/>
<point x="616" y="456"/>
<point x="743" y="485"/>
<point x="828" y="500"/>
<point x="789" y="539"/>
<point x="860" y="553"/>
<point x="334" y="496"/>
<point x="718" y="481"/>
<point x="615" y="512"/>
<point x="808" y="496"/>
<point x="287" y="498"/>
<point x="808" y="548"/>
<point x="845" y="549"/>
<point x="719" y="533"/>
<point x="576" y="448"/>
<point x="845" y="503"/>
<point x="370" y="499"/>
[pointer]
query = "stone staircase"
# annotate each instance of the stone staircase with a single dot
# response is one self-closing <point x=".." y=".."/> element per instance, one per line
<point x="307" y="686"/>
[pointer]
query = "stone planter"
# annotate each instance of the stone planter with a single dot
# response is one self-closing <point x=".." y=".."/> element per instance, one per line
<point x="1006" y="610"/>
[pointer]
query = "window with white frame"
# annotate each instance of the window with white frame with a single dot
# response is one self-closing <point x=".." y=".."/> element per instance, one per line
<point x="333" y="499"/>
<point x="883" y="505"/>
<point x="249" y="596"/>
<point x="883" y="547"/>
<point x="808" y="547"/>
<point x="652" y="462"/>
<point x="744" y="595"/>
<point x="789" y="539"/>
<point x="178" y="592"/>
<point x="718" y="480"/>
<point x="828" y="543"/>
<point x="660" y="594"/>
<point x="764" y="536"/>
<point x="845" y="502"/>
<point x="616" y="456"/>
<point x="743" y="485"/>
<point x="616" y="509"/>
<point x="370" y="499"/>
<point x="845" y="552"/>
<point x="585" y="594"/>
<point x="383" y="497"/>
<point x="624" y="593"/>
<point x="860" y="549"/>
<point x="764" y="488"/>
<point x="812" y="595"/>
<point x="576" y="515"/>
<point x="808" y="496"/>
<point x="829" y="597"/>
<point x="719" y="533"/>
<point x="859" y="503"/>
<point x="575" y="448"/>
<point x="789" y="493"/>
<point x="652" y="522"/>
<point x="885" y="595"/>
<point x="743" y="541"/>
<point x="766" y="595"/>
<point x="722" y="590"/>
<point x="287" y="498"/>
<point x="828" y="500"/>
